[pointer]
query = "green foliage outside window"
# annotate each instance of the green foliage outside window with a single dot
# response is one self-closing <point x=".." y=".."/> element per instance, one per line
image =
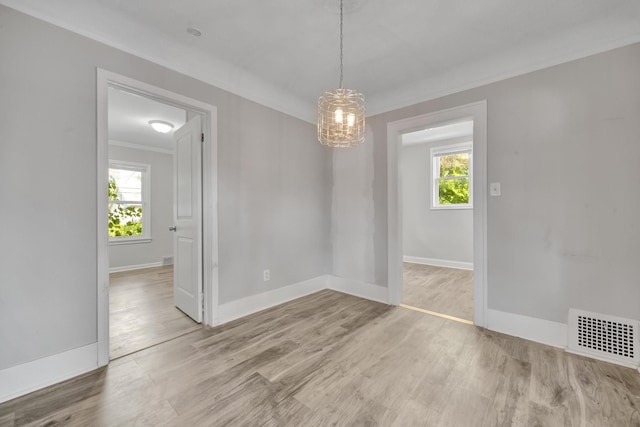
<point x="124" y="220"/>
<point x="453" y="185"/>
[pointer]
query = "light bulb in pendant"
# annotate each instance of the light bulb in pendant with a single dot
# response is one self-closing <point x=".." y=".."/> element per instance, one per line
<point x="351" y="119"/>
<point x="339" y="116"/>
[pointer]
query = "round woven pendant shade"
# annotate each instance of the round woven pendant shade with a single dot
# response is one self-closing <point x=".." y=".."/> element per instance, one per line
<point x="341" y="118"/>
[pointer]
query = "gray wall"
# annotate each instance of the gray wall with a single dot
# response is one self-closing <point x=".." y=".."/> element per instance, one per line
<point x="441" y="234"/>
<point x="563" y="142"/>
<point x="274" y="187"/>
<point x="352" y="213"/>
<point x="123" y="255"/>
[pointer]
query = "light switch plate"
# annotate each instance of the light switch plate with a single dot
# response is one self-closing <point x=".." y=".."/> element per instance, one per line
<point x="494" y="188"/>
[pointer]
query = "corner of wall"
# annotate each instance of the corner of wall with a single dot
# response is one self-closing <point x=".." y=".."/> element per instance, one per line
<point x="360" y="289"/>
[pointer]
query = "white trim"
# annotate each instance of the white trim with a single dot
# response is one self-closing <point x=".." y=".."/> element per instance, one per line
<point x="129" y="240"/>
<point x="529" y="328"/>
<point x="360" y="289"/>
<point x="209" y="196"/>
<point x="461" y="265"/>
<point x="27" y="377"/>
<point x="452" y="148"/>
<point x="245" y="306"/>
<point x="451" y="207"/>
<point x="131" y="145"/>
<point x="597" y="356"/>
<point x="478" y="113"/>
<point x="135" y="267"/>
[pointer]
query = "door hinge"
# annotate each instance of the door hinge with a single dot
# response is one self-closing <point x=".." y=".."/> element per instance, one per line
<point x="202" y="137"/>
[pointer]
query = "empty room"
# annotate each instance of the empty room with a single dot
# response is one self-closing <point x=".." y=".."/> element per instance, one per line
<point x="320" y="212"/>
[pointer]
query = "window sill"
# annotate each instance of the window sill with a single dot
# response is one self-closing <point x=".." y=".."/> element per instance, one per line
<point x="451" y="207"/>
<point x="129" y="241"/>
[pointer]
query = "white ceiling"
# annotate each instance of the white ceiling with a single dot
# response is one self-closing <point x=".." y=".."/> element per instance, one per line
<point x="450" y="131"/>
<point x="129" y="117"/>
<point x="284" y="53"/>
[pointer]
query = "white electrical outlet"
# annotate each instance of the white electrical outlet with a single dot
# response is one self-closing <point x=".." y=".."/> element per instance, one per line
<point x="266" y="275"/>
<point x="494" y="189"/>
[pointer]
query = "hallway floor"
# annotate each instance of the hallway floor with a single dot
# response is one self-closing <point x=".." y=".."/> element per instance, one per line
<point x="442" y="290"/>
<point x="141" y="310"/>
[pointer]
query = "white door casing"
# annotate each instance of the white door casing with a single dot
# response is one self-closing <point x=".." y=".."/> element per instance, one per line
<point x="209" y="182"/>
<point x="187" y="219"/>
<point x="476" y="111"/>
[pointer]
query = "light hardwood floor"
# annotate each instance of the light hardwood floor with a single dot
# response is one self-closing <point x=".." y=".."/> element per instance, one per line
<point x="443" y="290"/>
<point x="141" y="310"/>
<point x="334" y="359"/>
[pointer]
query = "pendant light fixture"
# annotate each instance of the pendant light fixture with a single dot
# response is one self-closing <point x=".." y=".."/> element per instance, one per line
<point x="341" y="111"/>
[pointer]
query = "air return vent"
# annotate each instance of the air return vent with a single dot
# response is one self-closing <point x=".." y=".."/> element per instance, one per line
<point x="604" y="337"/>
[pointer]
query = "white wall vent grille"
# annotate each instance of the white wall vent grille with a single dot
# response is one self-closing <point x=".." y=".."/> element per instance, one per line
<point x="604" y="337"/>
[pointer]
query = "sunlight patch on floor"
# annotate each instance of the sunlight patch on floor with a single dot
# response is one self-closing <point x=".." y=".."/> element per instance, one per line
<point x="433" y="313"/>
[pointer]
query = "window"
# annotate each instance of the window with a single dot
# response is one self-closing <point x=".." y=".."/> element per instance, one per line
<point x="452" y="167"/>
<point x="129" y="216"/>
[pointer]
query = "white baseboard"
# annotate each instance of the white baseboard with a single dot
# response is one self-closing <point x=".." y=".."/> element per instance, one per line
<point x="438" y="262"/>
<point x="31" y="376"/>
<point x="604" y="359"/>
<point x="254" y="303"/>
<point x="135" y="267"/>
<point x="359" y="289"/>
<point x="529" y="328"/>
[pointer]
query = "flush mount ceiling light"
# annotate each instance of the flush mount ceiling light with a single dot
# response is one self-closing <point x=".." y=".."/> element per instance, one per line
<point x="161" y="126"/>
<point x="194" y="31"/>
<point x="341" y="111"/>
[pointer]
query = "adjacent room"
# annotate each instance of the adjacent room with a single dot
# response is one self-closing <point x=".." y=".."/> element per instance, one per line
<point x="141" y="149"/>
<point x="361" y="212"/>
<point x="437" y="218"/>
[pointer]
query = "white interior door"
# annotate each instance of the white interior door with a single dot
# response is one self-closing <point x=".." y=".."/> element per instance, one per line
<point x="187" y="217"/>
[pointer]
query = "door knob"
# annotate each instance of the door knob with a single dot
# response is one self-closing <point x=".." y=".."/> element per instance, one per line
<point x="172" y="228"/>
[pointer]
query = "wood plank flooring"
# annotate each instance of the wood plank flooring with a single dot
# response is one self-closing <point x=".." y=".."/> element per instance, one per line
<point x="334" y="359"/>
<point x="141" y="310"/>
<point x="443" y="290"/>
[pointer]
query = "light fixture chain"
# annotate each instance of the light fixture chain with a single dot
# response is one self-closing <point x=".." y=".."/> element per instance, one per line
<point x="341" y="38"/>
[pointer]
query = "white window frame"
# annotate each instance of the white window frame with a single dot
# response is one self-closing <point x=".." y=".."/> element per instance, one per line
<point x="444" y="150"/>
<point x="145" y="169"/>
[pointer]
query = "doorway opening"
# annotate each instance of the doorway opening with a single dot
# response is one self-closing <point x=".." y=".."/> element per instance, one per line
<point x="442" y="159"/>
<point x="436" y="171"/>
<point x="142" y="307"/>
<point x="157" y="223"/>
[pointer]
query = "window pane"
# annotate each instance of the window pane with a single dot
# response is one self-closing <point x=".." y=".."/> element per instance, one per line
<point x="453" y="191"/>
<point x="125" y="219"/>
<point x="128" y="185"/>
<point x="454" y="165"/>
